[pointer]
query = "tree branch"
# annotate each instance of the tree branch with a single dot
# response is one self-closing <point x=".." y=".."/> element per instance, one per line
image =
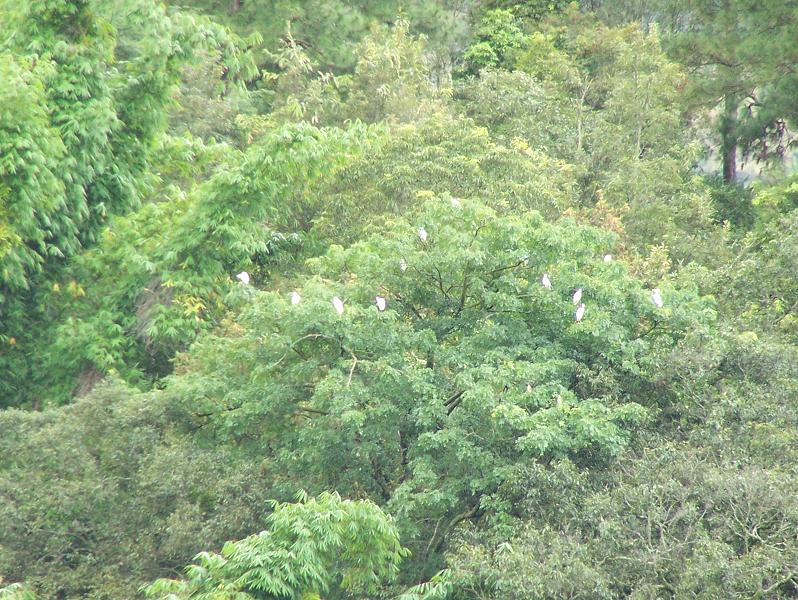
<point x="352" y="370"/>
<point x="456" y="520"/>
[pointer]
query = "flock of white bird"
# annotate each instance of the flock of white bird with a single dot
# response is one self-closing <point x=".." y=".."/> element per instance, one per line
<point x="382" y="303"/>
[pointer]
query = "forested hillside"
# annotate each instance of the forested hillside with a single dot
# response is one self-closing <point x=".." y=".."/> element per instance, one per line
<point x="410" y="300"/>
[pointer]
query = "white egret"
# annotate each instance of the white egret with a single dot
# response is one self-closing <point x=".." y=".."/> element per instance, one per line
<point x="608" y="258"/>
<point x="422" y="233"/>
<point x="380" y="303"/>
<point x="295" y="298"/>
<point x="243" y="277"/>
<point x="456" y="203"/>
<point x="545" y="282"/>
<point x="528" y="388"/>
<point x="338" y="304"/>
<point x="577" y="295"/>
<point x="580" y="312"/>
<point x="403" y="265"/>
<point x="656" y="298"/>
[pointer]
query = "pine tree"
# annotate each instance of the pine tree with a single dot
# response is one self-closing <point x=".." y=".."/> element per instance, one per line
<point x="742" y="55"/>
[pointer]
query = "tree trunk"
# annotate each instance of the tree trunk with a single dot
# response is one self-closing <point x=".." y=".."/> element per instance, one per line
<point x="235" y="6"/>
<point x="728" y="132"/>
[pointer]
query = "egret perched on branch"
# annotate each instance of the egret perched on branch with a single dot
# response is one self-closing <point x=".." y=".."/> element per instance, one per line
<point x="608" y="258"/>
<point x="338" y="304"/>
<point x="380" y="303"/>
<point x="456" y="203"/>
<point x="545" y="282"/>
<point x="403" y="265"/>
<point x="295" y="298"/>
<point x="580" y="312"/>
<point x="577" y="295"/>
<point x="422" y="234"/>
<point x="656" y="298"/>
<point x="243" y="277"/>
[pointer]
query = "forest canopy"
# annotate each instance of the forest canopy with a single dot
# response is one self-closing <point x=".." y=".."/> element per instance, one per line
<point x="420" y="300"/>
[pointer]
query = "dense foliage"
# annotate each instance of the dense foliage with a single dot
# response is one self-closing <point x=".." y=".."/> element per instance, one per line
<point x="423" y="300"/>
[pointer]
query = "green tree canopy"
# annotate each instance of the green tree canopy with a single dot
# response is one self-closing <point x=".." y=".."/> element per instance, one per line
<point x="741" y="55"/>
<point x="309" y="548"/>
<point x="459" y="271"/>
<point x="473" y="366"/>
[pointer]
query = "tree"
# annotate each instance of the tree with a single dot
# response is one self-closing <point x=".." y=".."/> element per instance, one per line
<point x="760" y="286"/>
<point x="312" y="547"/>
<point x="329" y="30"/>
<point x="670" y="522"/>
<point x="605" y="102"/>
<point x="79" y="128"/>
<point x="98" y="100"/>
<point x="528" y="11"/>
<point x="160" y="275"/>
<point x="114" y="492"/>
<point x="473" y="368"/>
<point x="31" y="189"/>
<point x="501" y="321"/>
<point x="390" y="81"/>
<point x="741" y="56"/>
<point x="498" y="38"/>
<point x="440" y="154"/>
<point x="16" y="591"/>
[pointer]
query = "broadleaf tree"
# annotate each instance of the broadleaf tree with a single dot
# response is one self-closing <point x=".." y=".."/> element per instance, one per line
<point x="311" y="547"/>
<point x="473" y="366"/>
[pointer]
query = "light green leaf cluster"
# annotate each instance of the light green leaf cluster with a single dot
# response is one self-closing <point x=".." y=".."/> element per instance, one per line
<point x="31" y="190"/>
<point x="16" y="591"/>
<point x="309" y="548"/>
<point x="498" y="36"/>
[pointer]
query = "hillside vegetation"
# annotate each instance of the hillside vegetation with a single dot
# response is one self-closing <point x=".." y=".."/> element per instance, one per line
<point x="421" y="300"/>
